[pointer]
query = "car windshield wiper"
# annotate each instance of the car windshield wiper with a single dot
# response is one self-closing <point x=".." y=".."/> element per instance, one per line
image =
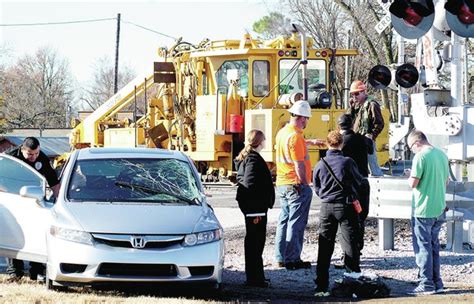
<point x="156" y="191"/>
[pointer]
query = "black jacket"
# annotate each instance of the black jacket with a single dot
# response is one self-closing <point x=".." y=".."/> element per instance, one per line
<point x="346" y="172"/>
<point x="42" y="165"/>
<point x="255" y="191"/>
<point x="357" y="147"/>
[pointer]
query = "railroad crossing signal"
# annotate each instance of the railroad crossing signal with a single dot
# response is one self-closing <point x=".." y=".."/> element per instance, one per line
<point x="406" y="76"/>
<point x="414" y="18"/>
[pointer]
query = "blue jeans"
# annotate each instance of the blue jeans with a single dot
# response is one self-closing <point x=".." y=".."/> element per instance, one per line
<point x="373" y="163"/>
<point x="293" y="218"/>
<point x="426" y="247"/>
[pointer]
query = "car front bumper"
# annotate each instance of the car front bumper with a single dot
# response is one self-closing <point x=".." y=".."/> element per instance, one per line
<point x="81" y="263"/>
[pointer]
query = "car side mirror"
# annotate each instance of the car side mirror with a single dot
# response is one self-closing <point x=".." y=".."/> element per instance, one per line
<point x="36" y="192"/>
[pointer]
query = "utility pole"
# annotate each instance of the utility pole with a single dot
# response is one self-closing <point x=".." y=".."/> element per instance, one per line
<point x="117" y="54"/>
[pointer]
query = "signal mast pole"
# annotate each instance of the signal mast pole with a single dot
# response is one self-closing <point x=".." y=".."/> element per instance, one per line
<point x="401" y="60"/>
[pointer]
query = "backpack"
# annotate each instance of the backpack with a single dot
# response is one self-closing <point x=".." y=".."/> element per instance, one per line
<point x="362" y="287"/>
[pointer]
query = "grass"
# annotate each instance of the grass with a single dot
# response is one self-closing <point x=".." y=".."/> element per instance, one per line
<point x="27" y="291"/>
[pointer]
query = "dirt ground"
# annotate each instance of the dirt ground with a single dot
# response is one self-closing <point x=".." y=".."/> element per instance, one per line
<point x="397" y="268"/>
<point x="32" y="292"/>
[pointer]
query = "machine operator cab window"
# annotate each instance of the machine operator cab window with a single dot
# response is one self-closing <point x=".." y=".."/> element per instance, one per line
<point x="260" y="78"/>
<point x="242" y="68"/>
<point x="292" y="80"/>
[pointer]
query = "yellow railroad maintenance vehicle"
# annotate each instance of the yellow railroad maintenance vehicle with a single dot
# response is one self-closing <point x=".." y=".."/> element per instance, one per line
<point x="206" y="97"/>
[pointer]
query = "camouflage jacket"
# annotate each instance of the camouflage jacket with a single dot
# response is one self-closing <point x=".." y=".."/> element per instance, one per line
<point x="367" y="118"/>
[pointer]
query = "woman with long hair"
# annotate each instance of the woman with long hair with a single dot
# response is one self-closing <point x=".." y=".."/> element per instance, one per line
<point x="255" y="195"/>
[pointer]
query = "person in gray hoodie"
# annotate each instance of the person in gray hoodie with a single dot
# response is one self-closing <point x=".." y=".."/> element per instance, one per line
<point x="255" y="195"/>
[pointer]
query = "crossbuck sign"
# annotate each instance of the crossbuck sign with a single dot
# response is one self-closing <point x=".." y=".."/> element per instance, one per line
<point x="386" y="20"/>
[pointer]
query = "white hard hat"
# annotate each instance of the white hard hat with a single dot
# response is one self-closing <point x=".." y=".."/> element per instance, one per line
<point x="301" y="108"/>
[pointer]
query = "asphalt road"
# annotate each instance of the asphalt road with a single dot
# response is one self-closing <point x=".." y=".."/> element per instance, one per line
<point x="225" y="198"/>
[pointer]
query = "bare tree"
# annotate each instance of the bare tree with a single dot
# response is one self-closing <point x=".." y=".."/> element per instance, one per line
<point x="101" y="87"/>
<point x="37" y="91"/>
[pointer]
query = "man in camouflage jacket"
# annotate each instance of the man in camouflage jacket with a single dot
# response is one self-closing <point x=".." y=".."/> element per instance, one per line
<point x="368" y="119"/>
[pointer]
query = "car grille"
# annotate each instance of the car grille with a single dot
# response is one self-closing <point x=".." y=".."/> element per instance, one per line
<point x="127" y="244"/>
<point x="139" y="270"/>
<point x="151" y="241"/>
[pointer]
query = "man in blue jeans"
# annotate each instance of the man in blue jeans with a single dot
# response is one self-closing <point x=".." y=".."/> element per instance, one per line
<point x="428" y="179"/>
<point x="292" y="181"/>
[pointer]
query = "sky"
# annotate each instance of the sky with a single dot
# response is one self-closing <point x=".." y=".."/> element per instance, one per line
<point x="83" y="43"/>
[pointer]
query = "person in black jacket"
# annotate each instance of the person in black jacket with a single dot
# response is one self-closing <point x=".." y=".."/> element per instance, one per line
<point x="255" y="195"/>
<point x="30" y="153"/>
<point x="336" y="191"/>
<point x="358" y="147"/>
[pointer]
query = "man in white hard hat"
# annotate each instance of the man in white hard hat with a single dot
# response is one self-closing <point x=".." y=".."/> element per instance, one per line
<point x="293" y="178"/>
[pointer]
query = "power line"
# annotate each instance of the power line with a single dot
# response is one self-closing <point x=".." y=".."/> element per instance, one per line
<point x="145" y="28"/>
<point x="56" y="23"/>
<point x="85" y="21"/>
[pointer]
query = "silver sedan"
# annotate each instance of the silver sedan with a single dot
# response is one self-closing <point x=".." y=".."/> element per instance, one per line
<point x="122" y="215"/>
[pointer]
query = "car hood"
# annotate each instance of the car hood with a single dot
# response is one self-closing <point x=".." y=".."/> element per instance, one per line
<point x="140" y="218"/>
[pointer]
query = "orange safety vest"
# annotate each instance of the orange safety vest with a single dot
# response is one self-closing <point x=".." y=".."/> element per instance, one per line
<point x="291" y="147"/>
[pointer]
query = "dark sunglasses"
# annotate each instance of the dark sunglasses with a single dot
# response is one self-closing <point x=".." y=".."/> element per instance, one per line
<point x="355" y="94"/>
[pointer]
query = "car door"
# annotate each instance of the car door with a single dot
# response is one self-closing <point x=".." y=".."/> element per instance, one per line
<point x="23" y="220"/>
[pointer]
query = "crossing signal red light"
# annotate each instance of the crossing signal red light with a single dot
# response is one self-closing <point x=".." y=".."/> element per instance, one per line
<point x="460" y="17"/>
<point x="406" y="75"/>
<point x="412" y="18"/>
<point x="380" y="77"/>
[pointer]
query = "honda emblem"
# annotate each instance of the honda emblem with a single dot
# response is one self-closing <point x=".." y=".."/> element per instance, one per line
<point x="138" y="241"/>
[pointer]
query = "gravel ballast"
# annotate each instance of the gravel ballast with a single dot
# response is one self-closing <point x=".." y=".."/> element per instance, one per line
<point x="396" y="267"/>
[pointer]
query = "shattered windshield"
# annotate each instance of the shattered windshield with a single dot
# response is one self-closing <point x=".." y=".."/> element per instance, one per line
<point x="168" y="181"/>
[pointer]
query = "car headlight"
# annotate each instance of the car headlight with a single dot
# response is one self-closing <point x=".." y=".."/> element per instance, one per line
<point x="71" y="235"/>
<point x="202" y="237"/>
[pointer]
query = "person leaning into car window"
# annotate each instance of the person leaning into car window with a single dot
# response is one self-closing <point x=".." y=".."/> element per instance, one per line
<point x="30" y="153"/>
<point x="255" y="195"/>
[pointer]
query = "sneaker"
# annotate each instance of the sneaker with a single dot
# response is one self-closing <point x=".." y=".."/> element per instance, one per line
<point x="339" y="264"/>
<point x="319" y="293"/>
<point x="41" y="278"/>
<point x="422" y="291"/>
<point x="439" y="290"/>
<point x="297" y="265"/>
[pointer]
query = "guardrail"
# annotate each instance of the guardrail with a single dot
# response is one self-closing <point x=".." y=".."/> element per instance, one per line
<point x="390" y="198"/>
